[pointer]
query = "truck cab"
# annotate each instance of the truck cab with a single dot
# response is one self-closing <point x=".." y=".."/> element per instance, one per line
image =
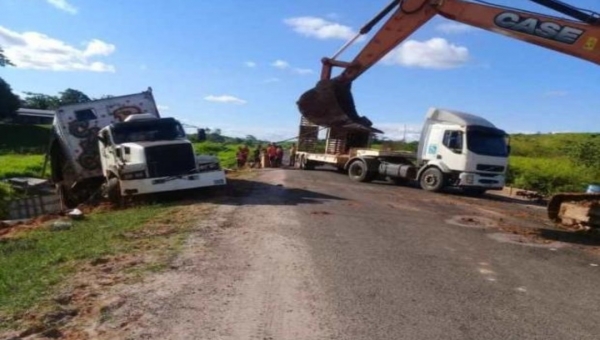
<point x="146" y="154"/>
<point x="463" y="150"/>
<point x="121" y="146"/>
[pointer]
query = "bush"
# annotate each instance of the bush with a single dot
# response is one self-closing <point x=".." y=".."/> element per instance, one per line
<point x="549" y="175"/>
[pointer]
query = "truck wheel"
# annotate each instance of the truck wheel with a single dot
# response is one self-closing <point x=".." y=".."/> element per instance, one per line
<point x="114" y="191"/>
<point x="358" y="171"/>
<point x="432" y="180"/>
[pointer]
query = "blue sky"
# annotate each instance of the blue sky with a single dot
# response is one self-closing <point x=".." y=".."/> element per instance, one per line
<point x="241" y="65"/>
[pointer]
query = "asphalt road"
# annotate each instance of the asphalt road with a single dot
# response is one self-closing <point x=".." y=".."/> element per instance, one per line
<point x="393" y="267"/>
<point x="312" y="255"/>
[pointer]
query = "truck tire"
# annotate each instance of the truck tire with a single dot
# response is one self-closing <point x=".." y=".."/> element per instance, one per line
<point x="432" y="179"/>
<point x="113" y="191"/>
<point x="359" y="172"/>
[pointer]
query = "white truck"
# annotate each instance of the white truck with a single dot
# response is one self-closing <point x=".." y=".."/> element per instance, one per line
<point x="456" y="149"/>
<point x="121" y="146"/>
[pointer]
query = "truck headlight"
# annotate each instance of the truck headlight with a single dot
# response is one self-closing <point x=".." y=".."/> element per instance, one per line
<point x="470" y="179"/>
<point x="134" y="175"/>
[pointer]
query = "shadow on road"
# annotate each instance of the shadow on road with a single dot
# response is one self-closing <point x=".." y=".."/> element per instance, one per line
<point x="585" y="238"/>
<point x="245" y="192"/>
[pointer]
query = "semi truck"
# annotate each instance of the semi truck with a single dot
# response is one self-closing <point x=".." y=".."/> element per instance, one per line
<point x="456" y="149"/>
<point x="121" y="147"/>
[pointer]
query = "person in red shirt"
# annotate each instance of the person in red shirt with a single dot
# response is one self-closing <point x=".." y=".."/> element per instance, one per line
<point x="272" y="152"/>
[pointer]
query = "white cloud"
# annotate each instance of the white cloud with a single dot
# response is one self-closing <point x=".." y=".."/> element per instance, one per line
<point x="281" y="64"/>
<point x="452" y="27"/>
<point x="320" y="28"/>
<point x="34" y="50"/>
<point x="225" y="99"/>
<point x="303" y="71"/>
<point x="556" y="93"/>
<point x="63" y="5"/>
<point x="98" y="47"/>
<point x="435" y="53"/>
<point x="162" y="107"/>
<point x="250" y="64"/>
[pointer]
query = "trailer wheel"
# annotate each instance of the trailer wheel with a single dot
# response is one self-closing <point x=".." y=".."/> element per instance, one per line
<point x="433" y="179"/>
<point x="359" y="172"/>
<point x="114" y="191"/>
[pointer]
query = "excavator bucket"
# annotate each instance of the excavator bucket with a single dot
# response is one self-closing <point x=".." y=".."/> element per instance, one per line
<point x="331" y="104"/>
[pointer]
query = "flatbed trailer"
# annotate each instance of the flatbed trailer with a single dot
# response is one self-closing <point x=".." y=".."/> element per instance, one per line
<point x="348" y="150"/>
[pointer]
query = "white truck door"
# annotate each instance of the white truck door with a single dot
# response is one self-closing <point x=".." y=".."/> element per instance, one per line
<point x="452" y="149"/>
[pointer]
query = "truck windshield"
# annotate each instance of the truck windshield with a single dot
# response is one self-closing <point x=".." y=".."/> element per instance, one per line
<point x="487" y="142"/>
<point x="147" y="131"/>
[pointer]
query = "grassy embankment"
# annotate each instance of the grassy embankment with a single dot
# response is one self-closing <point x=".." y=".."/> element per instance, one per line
<point x="553" y="163"/>
<point x="37" y="262"/>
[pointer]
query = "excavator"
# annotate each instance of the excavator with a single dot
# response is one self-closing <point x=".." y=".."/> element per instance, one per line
<point x="331" y="104"/>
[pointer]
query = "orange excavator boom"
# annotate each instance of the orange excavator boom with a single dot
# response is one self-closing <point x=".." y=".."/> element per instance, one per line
<point x="331" y="103"/>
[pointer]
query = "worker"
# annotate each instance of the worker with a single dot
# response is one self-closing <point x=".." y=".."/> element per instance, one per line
<point x="256" y="156"/>
<point x="278" y="156"/>
<point x="292" y="161"/>
<point x="241" y="157"/>
<point x="272" y="153"/>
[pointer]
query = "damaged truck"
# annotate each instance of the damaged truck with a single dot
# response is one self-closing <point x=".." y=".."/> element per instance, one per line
<point x="119" y="147"/>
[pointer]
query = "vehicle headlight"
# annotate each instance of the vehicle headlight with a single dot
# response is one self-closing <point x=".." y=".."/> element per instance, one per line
<point x="134" y="175"/>
<point x="470" y="179"/>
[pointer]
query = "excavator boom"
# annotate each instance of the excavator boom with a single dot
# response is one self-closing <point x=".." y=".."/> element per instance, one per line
<point x="331" y="103"/>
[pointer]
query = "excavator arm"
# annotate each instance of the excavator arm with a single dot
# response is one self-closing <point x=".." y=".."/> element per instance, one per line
<point x="331" y="103"/>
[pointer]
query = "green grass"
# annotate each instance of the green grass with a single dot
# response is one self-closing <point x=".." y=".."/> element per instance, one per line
<point x="17" y="138"/>
<point x="546" y="145"/>
<point x="33" y="264"/>
<point x="550" y="175"/>
<point x="12" y="165"/>
<point x="225" y="152"/>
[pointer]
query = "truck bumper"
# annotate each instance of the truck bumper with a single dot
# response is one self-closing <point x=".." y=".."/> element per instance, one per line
<point x="474" y="180"/>
<point x="162" y="184"/>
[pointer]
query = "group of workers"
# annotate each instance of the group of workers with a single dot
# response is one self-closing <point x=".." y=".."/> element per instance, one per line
<point x="270" y="156"/>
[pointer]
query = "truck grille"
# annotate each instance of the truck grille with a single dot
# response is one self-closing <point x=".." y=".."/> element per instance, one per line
<point x="490" y="168"/>
<point x="170" y="160"/>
